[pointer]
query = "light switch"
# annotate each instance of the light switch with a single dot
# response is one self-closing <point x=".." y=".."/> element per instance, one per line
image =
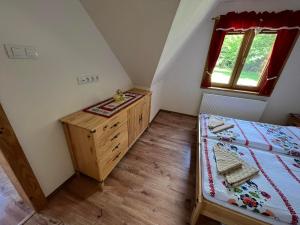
<point x="18" y="52"/>
<point x="31" y="52"/>
<point x="21" y="51"/>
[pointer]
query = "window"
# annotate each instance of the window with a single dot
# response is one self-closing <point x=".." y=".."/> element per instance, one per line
<point x="242" y="60"/>
<point x="248" y="50"/>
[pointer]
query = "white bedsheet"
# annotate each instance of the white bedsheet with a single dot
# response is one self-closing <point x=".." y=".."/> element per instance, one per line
<point x="272" y="196"/>
<point x="279" y="139"/>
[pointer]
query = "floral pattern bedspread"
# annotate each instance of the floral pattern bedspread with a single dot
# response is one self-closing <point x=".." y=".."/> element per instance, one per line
<point x="272" y="196"/>
<point x="279" y="139"/>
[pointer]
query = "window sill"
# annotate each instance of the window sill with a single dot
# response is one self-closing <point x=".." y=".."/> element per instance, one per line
<point x="233" y="90"/>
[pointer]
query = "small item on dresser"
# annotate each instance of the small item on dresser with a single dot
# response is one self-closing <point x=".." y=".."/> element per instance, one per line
<point x="119" y="96"/>
<point x="222" y="127"/>
<point x="241" y="175"/>
<point x="213" y="123"/>
<point x="226" y="161"/>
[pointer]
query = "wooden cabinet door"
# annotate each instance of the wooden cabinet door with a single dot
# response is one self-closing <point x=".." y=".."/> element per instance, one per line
<point x="145" y="113"/>
<point x="131" y="125"/>
<point x="138" y="119"/>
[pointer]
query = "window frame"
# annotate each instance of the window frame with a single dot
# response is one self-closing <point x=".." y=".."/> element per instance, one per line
<point x="244" y="49"/>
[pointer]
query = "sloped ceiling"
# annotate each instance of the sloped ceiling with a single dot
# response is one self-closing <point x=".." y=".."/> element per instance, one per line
<point x="189" y="16"/>
<point x="136" y="31"/>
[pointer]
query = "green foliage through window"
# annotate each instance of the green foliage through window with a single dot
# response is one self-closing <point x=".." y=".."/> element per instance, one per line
<point x="251" y="71"/>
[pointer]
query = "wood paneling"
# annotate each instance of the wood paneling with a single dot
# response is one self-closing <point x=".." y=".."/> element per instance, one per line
<point x="17" y="166"/>
<point x="152" y="185"/>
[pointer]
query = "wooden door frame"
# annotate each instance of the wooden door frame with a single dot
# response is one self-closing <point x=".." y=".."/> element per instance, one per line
<point x="17" y="167"/>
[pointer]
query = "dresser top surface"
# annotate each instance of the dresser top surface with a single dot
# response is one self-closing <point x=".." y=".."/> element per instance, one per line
<point x="90" y="121"/>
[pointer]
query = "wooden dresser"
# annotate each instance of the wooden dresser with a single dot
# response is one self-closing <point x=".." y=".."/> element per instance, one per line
<point x="97" y="143"/>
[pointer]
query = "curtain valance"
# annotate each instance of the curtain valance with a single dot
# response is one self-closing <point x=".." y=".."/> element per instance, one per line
<point x="287" y="20"/>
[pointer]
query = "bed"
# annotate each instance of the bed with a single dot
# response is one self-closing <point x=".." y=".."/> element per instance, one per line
<point x="268" y="198"/>
<point x="279" y="139"/>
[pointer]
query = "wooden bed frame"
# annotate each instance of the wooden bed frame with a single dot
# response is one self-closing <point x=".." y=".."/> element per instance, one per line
<point x="213" y="210"/>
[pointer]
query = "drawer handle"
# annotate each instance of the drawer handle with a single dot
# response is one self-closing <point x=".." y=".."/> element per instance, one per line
<point x="141" y="118"/>
<point x="105" y="127"/>
<point x="116" y="147"/>
<point x="115" y="125"/>
<point x="117" y="156"/>
<point x="114" y="137"/>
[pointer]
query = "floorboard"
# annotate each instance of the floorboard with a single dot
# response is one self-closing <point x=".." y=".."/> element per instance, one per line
<point x="154" y="183"/>
<point x="12" y="208"/>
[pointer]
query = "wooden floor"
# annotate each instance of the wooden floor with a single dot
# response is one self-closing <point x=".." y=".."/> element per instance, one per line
<point x="12" y="208"/>
<point x="153" y="184"/>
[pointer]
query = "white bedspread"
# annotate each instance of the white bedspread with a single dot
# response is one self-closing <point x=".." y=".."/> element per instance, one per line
<point x="279" y="139"/>
<point x="272" y="196"/>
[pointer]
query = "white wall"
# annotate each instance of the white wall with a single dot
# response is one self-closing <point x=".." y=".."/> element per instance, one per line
<point x="285" y="97"/>
<point x="157" y="91"/>
<point x="136" y="30"/>
<point x="181" y="86"/>
<point x="189" y="15"/>
<point x="36" y="93"/>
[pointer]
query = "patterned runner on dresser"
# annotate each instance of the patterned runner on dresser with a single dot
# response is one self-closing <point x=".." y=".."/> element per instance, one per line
<point x="110" y="107"/>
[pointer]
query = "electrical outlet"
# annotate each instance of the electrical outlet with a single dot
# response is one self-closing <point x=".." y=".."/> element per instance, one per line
<point x="86" y="79"/>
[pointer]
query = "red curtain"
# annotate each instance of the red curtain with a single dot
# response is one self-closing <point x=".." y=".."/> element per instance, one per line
<point x="264" y="20"/>
<point x="281" y="50"/>
<point x="287" y="26"/>
<point x="213" y="55"/>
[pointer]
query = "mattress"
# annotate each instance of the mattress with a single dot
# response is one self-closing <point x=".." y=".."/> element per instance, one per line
<point x="279" y="139"/>
<point x="271" y="196"/>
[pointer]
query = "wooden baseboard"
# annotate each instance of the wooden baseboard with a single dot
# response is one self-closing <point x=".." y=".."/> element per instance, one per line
<point x="60" y="187"/>
<point x="173" y="112"/>
<point x="154" y="117"/>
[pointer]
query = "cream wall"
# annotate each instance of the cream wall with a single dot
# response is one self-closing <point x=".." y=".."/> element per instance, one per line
<point x="189" y="15"/>
<point x="136" y="30"/>
<point x="182" y="78"/>
<point x="157" y="91"/>
<point x="36" y="93"/>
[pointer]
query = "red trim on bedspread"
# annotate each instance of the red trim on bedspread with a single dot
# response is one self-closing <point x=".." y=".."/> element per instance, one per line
<point x="293" y="133"/>
<point x="243" y="133"/>
<point x="288" y="169"/>
<point x="208" y="166"/>
<point x="280" y="193"/>
<point x="263" y="136"/>
<point x="203" y="120"/>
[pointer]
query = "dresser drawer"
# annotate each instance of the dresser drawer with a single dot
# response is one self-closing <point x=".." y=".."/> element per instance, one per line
<point x="111" y="125"/>
<point x="108" y="142"/>
<point x="111" y="159"/>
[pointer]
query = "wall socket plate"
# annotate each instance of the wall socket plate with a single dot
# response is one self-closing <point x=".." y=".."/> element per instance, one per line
<point x="87" y="79"/>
